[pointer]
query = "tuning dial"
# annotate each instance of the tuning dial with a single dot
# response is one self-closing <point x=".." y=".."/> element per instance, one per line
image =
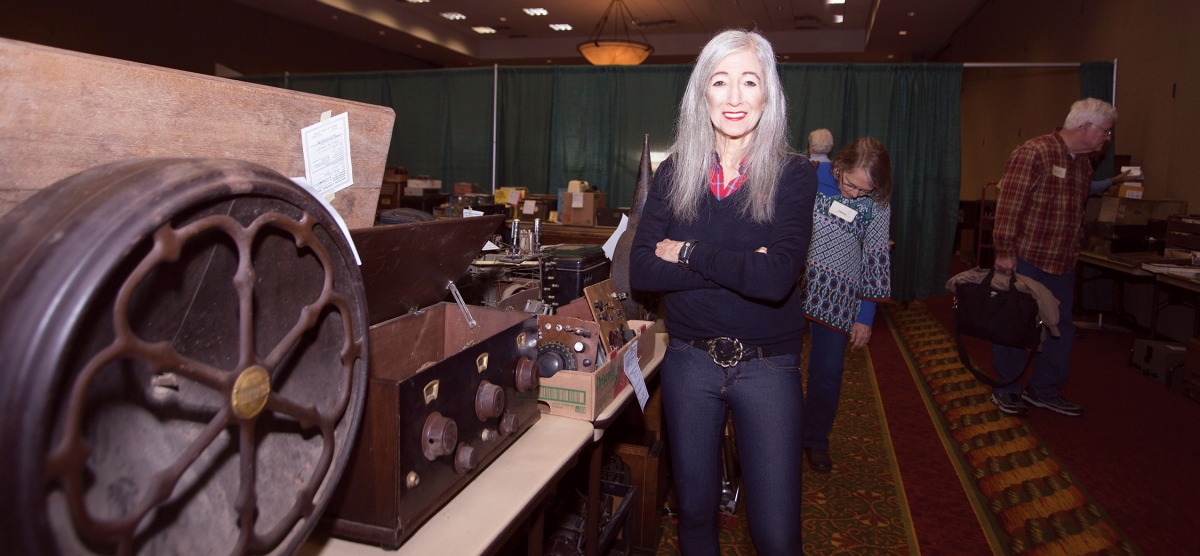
<point x="489" y="401"/>
<point x="527" y="375"/>
<point x="509" y="423"/>
<point x="465" y="458"/>
<point x="440" y="434"/>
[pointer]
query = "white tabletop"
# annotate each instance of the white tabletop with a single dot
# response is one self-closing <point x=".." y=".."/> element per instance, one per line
<point x="481" y="514"/>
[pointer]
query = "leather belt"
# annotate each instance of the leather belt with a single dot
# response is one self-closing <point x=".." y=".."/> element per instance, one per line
<point x="728" y="352"/>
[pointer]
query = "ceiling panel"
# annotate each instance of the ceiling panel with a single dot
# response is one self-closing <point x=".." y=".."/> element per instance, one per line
<point x="800" y="30"/>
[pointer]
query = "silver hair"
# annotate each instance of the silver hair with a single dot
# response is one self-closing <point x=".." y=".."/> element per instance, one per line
<point x="820" y="141"/>
<point x="696" y="137"/>
<point x="1090" y="111"/>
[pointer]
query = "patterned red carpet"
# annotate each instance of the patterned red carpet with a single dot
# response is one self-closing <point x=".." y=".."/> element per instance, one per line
<point x="1028" y="501"/>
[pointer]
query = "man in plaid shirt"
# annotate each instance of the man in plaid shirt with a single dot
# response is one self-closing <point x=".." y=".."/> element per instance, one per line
<point x="1038" y="228"/>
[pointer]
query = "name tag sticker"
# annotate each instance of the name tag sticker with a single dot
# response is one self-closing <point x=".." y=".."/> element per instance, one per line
<point x="1058" y="171"/>
<point x="842" y="211"/>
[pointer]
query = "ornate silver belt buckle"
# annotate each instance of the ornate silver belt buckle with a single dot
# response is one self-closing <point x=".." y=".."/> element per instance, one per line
<point x="725" y="351"/>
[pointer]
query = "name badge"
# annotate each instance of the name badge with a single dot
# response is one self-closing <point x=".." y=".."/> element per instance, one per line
<point x="842" y="211"/>
<point x="1058" y="171"/>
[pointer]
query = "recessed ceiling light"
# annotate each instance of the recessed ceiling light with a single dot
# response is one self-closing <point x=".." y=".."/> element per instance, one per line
<point x="911" y="14"/>
<point x="417" y="1"/>
<point x="560" y="26"/>
<point x="891" y="56"/>
<point x="536" y="11"/>
<point x="838" y="18"/>
<point x="483" y="30"/>
<point x="835" y="1"/>
<point x="903" y="33"/>
<point x="453" y="16"/>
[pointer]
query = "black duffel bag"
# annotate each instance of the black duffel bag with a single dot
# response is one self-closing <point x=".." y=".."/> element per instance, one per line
<point x="1003" y="317"/>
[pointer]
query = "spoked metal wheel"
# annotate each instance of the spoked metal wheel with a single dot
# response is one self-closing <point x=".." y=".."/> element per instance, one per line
<point x="182" y="361"/>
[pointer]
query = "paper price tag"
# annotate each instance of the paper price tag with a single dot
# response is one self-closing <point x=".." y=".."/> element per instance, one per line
<point x="633" y="371"/>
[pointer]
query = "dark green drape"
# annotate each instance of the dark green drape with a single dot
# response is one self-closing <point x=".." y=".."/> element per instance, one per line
<point x="1096" y="81"/>
<point x="562" y="123"/>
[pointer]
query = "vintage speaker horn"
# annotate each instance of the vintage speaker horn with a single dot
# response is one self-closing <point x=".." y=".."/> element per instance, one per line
<point x="183" y="357"/>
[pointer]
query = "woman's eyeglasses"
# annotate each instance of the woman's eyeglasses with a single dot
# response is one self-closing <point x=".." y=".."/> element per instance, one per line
<point x="869" y="193"/>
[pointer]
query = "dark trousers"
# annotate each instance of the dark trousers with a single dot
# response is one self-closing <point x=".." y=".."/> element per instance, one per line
<point x="765" y="399"/>
<point x="826" y="364"/>
<point x="1052" y="365"/>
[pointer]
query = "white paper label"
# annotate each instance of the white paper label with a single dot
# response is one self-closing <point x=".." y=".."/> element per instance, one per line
<point x="842" y="211"/>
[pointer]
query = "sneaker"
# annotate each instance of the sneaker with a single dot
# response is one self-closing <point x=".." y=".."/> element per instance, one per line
<point x="1054" y="403"/>
<point x="1010" y="403"/>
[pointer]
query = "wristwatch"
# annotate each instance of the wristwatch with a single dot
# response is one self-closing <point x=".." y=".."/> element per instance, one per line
<point x="685" y="252"/>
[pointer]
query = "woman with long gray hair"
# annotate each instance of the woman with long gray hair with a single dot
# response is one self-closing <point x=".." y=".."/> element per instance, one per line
<point x="725" y="234"/>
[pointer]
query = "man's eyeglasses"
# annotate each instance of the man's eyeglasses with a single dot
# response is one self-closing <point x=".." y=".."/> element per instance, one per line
<point x="1107" y="132"/>
<point x="846" y="183"/>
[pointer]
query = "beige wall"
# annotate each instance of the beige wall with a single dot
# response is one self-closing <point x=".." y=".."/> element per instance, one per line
<point x="1157" y="49"/>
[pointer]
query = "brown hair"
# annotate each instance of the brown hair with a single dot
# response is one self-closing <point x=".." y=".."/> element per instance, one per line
<point x="872" y="157"/>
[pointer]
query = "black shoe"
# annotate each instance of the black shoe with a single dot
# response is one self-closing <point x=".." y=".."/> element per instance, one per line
<point x="819" y="460"/>
<point x="1056" y="404"/>
<point x="1010" y="403"/>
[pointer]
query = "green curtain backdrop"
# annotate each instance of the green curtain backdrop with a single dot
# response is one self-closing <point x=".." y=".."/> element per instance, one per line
<point x="560" y="123"/>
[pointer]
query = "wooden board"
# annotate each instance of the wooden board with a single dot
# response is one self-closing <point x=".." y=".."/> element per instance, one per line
<point x="607" y="311"/>
<point x="62" y="112"/>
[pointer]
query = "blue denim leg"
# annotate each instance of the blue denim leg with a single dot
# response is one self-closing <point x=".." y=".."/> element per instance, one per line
<point x="694" y="408"/>
<point x="765" y="397"/>
<point x="826" y="364"/>
<point x="1052" y="365"/>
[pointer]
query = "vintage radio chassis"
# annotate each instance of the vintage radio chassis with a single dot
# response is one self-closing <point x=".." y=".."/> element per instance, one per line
<point x="447" y="392"/>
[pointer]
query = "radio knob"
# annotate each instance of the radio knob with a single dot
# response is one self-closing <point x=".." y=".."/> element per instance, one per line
<point x="489" y="401"/>
<point x="440" y="436"/>
<point x="509" y="423"/>
<point x="527" y="375"/>
<point x="465" y="458"/>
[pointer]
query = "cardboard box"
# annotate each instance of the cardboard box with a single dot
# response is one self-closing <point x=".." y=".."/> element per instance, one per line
<point x="1158" y="360"/>
<point x="510" y="195"/>
<point x="1120" y="210"/>
<point x="579" y="209"/>
<point x="585" y="395"/>
<point x="422" y="185"/>
<point x="1131" y="191"/>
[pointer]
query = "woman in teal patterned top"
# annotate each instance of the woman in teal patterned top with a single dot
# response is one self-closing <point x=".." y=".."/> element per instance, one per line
<point x="849" y="270"/>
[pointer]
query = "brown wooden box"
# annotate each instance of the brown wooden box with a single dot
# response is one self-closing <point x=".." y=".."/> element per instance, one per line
<point x="64" y="112"/>
<point x="648" y="472"/>
<point x="430" y="366"/>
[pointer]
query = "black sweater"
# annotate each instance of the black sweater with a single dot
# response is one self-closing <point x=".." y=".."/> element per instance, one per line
<point x="728" y="289"/>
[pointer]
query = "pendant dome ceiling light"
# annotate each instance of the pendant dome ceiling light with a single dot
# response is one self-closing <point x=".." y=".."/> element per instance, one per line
<point x="619" y="50"/>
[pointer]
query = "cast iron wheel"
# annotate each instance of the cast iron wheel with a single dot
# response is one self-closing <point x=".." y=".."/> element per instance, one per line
<point x="183" y="356"/>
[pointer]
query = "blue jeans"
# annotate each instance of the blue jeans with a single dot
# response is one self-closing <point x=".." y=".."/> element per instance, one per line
<point x="1051" y="366"/>
<point x="826" y="364"/>
<point x="765" y="398"/>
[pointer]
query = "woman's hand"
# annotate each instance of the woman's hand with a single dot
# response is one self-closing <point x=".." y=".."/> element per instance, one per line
<point x="668" y="250"/>
<point x="860" y="334"/>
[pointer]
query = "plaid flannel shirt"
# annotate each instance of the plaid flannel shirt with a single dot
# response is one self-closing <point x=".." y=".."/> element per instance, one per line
<point x="1039" y="215"/>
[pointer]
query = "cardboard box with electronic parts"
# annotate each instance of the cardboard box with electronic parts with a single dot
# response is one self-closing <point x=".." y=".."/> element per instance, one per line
<point x="585" y="395"/>
<point x="1158" y="360"/>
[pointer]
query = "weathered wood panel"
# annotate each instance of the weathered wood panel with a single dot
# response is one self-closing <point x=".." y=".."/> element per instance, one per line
<point x="62" y="112"/>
